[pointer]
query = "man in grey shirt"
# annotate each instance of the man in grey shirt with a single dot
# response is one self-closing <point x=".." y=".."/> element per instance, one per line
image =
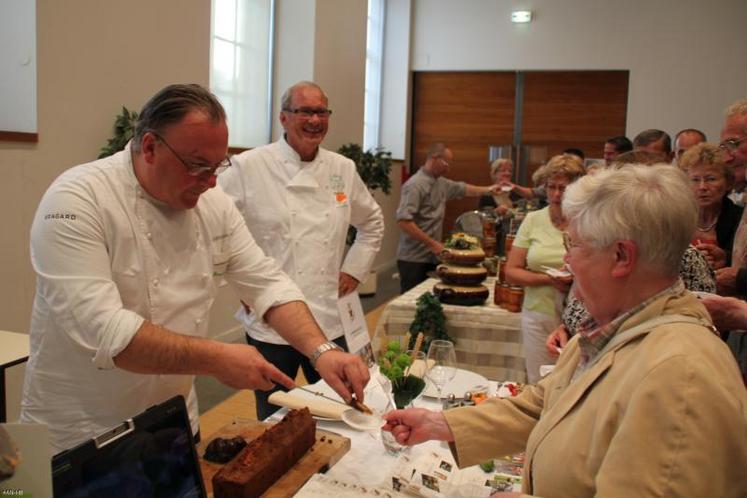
<point x="420" y="215"/>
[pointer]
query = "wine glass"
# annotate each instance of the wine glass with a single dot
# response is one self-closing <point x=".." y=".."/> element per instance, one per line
<point x="442" y="364"/>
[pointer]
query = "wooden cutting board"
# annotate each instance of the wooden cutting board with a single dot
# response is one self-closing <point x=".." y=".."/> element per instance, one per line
<point x="327" y="451"/>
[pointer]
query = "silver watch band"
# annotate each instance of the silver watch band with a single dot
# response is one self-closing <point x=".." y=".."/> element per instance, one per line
<point x="321" y="349"/>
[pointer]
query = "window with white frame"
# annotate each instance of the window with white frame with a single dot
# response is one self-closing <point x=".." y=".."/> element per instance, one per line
<point x="374" y="66"/>
<point x="241" y="67"/>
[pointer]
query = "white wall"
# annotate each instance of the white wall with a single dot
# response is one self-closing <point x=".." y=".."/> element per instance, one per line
<point x="685" y="57"/>
<point x="93" y="58"/>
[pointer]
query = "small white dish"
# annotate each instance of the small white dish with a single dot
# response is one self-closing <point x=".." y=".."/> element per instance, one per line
<point x="557" y="272"/>
<point x="463" y="381"/>
<point x="506" y="188"/>
<point x="362" y="421"/>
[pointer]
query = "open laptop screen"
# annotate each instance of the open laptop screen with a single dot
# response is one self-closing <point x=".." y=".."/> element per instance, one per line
<point x="151" y="455"/>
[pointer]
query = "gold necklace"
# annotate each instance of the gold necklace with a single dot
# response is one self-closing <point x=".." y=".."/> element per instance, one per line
<point x="707" y="228"/>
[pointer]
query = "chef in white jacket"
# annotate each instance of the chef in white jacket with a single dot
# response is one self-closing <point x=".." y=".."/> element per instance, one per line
<point x="127" y="251"/>
<point x="297" y="200"/>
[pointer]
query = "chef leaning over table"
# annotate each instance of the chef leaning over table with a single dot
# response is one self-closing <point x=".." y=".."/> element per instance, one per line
<point x="298" y="200"/>
<point x="127" y="251"/>
<point x="646" y="400"/>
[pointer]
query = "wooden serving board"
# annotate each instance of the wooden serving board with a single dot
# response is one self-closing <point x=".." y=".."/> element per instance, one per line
<point x="327" y="451"/>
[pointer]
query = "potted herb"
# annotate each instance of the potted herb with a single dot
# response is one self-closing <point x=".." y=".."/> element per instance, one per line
<point x="430" y="320"/>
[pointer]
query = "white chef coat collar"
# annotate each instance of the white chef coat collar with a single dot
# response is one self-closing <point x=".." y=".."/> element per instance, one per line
<point x="290" y="152"/>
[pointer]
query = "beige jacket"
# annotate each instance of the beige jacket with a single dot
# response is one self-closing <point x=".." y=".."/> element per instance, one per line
<point x="661" y="413"/>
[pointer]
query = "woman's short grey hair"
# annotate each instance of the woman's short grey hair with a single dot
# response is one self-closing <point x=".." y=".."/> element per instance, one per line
<point x="286" y="101"/>
<point x="650" y="205"/>
<point x="706" y="154"/>
<point x="171" y="104"/>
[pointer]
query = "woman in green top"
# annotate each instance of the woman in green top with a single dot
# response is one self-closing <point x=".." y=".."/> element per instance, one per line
<point x="537" y="247"/>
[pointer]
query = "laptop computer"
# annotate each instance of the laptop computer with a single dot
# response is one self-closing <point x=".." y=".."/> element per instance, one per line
<point x="150" y="455"/>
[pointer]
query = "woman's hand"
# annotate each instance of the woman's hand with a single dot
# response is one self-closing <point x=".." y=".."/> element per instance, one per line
<point x="557" y="340"/>
<point x="417" y="425"/>
<point x="500" y="210"/>
<point x="715" y="256"/>
<point x="562" y="284"/>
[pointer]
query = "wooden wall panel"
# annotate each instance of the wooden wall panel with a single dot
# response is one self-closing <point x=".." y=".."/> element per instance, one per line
<point x="467" y="111"/>
<point x="470" y="111"/>
<point x="563" y="109"/>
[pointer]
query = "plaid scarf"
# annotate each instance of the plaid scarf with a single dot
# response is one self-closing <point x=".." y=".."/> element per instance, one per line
<point x="593" y="338"/>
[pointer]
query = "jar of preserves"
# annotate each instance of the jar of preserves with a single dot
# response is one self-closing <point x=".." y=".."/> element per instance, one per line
<point x="503" y="295"/>
<point x="515" y="298"/>
<point x="502" y="269"/>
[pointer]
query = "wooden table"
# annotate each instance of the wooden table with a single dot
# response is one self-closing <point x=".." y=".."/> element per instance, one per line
<point x="14" y="349"/>
<point x="488" y="338"/>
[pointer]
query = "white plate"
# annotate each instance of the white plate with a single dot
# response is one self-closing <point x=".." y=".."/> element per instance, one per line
<point x="506" y="188"/>
<point x="556" y="273"/>
<point x="362" y="421"/>
<point x="463" y="381"/>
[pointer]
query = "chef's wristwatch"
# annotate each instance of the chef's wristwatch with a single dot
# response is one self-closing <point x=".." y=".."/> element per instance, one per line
<point x="321" y="349"/>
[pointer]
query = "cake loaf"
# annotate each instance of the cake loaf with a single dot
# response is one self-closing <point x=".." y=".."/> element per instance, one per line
<point x="266" y="458"/>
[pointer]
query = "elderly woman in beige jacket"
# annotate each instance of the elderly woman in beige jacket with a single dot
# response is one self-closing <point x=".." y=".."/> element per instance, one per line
<point x="646" y="400"/>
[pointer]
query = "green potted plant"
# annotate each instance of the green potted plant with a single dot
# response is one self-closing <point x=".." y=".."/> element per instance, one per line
<point x="430" y="320"/>
<point x="374" y="166"/>
<point x="124" y="129"/>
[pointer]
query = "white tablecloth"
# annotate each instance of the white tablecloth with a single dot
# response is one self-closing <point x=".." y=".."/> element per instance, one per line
<point x="488" y="338"/>
<point x="368" y="463"/>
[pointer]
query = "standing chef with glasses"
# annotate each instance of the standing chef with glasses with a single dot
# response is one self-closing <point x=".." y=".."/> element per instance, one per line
<point x="128" y="251"/>
<point x="298" y="200"/>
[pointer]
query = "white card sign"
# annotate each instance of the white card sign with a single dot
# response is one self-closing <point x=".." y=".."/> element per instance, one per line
<point x="354" y="325"/>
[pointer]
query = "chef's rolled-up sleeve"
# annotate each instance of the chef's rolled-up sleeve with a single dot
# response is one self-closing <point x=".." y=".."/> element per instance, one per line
<point x="409" y="203"/>
<point x="74" y="277"/>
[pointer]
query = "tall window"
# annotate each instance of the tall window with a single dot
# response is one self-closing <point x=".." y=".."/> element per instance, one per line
<point x="241" y="67"/>
<point x="374" y="66"/>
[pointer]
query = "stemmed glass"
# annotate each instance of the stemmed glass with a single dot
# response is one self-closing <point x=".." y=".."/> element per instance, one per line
<point x="442" y="361"/>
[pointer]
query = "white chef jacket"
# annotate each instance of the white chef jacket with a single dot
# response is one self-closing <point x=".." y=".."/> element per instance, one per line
<point x="299" y="212"/>
<point x="108" y="256"/>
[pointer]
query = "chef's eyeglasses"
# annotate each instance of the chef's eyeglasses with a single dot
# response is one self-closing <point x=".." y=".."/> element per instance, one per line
<point x="308" y="113"/>
<point x="196" y="169"/>
<point x="731" y="144"/>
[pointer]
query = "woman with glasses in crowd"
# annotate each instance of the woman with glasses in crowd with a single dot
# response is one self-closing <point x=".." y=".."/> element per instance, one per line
<point x="711" y="179"/>
<point x="538" y="246"/>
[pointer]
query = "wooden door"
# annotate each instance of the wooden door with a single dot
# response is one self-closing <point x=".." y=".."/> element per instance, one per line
<point x="580" y="109"/>
<point x="469" y="111"/>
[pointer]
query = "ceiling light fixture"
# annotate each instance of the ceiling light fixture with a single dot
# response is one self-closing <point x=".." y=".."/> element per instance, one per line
<point x="521" y="16"/>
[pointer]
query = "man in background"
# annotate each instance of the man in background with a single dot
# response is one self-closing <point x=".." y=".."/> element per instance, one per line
<point x="686" y="139"/>
<point x="656" y="141"/>
<point x="615" y="146"/>
<point x="128" y="251"/>
<point x="733" y="280"/>
<point x="298" y="200"/>
<point x="420" y="215"/>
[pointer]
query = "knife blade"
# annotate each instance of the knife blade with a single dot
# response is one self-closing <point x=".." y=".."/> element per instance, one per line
<point x="321" y="395"/>
<point x="353" y="404"/>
